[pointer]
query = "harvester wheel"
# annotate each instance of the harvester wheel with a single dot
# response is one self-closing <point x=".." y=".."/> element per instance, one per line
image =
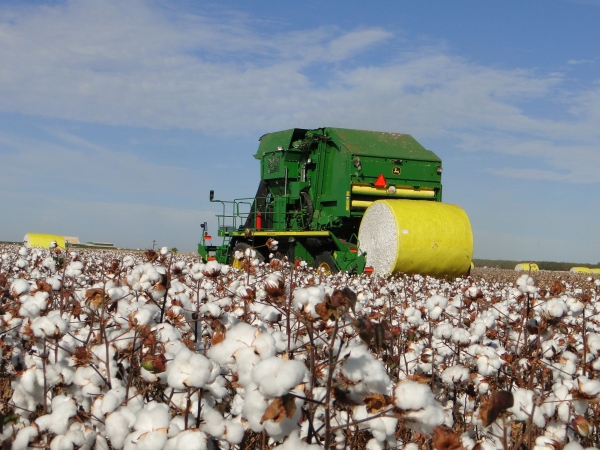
<point x="324" y="263"/>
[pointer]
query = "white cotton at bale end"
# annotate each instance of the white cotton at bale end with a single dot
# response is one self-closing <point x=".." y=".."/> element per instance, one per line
<point x="276" y="377"/>
<point x="378" y="238"/>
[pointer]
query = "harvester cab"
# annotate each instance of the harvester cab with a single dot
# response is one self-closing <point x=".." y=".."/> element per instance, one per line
<point x="348" y="200"/>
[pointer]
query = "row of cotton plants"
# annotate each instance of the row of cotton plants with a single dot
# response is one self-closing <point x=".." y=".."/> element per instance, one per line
<point x="117" y="350"/>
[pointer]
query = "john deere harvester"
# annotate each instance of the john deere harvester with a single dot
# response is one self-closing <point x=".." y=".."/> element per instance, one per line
<point x="347" y="200"/>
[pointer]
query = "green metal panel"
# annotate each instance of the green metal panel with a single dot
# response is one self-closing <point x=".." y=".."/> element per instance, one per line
<point x="386" y="145"/>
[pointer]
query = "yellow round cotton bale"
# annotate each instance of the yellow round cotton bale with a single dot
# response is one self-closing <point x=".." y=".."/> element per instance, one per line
<point x="416" y="236"/>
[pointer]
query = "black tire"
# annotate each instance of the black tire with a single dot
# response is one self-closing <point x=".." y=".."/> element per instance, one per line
<point x="324" y="260"/>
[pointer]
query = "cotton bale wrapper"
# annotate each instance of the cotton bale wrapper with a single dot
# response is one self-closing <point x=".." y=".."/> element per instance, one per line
<point x="349" y="200"/>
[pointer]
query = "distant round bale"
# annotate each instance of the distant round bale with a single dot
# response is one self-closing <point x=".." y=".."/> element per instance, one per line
<point x="43" y="240"/>
<point x="527" y="267"/>
<point x="580" y="270"/>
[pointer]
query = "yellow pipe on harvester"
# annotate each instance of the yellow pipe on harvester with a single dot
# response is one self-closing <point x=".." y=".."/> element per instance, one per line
<point x="415" y="236"/>
<point x="393" y="191"/>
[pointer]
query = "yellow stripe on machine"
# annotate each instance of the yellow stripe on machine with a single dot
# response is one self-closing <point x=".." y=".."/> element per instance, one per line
<point x="285" y="233"/>
<point x="400" y="192"/>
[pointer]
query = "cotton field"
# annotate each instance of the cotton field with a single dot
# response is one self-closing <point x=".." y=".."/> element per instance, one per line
<point x="157" y="350"/>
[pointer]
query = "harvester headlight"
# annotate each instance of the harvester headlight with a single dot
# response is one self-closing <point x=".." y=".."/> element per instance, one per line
<point x="280" y="148"/>
<point x="391" y="190"/>
<point x="439" y="170"/>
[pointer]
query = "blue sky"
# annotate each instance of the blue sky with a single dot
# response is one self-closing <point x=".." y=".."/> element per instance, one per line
<point x="117" y="118"/>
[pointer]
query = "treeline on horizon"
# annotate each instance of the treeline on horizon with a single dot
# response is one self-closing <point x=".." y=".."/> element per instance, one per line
<point x="543" y="265"/>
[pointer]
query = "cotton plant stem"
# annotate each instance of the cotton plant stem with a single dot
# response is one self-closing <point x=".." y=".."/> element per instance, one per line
<point x="329" y="386"/>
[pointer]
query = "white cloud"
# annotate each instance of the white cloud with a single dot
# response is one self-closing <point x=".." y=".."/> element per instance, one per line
<point x="136" y="64"/>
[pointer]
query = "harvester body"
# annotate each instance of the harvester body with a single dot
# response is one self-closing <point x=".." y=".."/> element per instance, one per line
<point x="315" y="187"/>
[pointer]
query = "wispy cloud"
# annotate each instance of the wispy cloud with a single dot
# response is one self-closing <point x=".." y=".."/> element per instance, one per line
<point x="135" y="64"/>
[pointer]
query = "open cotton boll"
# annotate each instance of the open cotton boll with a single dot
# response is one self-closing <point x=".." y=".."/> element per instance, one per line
<point x="68" y="441"/>
<point x="113" y="399"/>
<point x="264" y="344"/>
<point x="276" y="377"/>
<point x="367" y="373"/>
<point x="280" y="430"/>
<point x="293" y="442"/>
<point x="556" y="307"/>
<point x="27" y="391"/>
<point x="189" y="369"/>
<point x="455" y="374"/>
<point x="19" y="287"/>
<point x="188" y="440"/>
<point x="524" y="405"/>
<point x="422" y="410"/>
<point x="52" y="325"/>
<point x="24" y="436"/>
<point x="63" y="408"/>
<point x="382" y="428"/>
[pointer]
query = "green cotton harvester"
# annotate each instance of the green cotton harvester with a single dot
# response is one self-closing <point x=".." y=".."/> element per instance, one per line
<point x="350" y="200"/>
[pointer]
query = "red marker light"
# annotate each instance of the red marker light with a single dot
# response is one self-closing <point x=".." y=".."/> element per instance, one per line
<point x="368" y="270"/>
<point x="380" y="182"/>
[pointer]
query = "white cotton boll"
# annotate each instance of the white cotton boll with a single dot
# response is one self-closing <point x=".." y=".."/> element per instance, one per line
<point x="55" y="283"/>
<point x="374" y="444"/>
<point x="275" y="377"/>
<point x="461" y="336"/>
<point x="293" y="442"/>
<point x="24" y="436"/>
<point x="63" y="408"/>
<point x="587" y="386"/>
<point x="189" y="369"/>
<point x="523" y="406"/>
<point x="254" y="407"/>
<point x="270" y="314"/>
<point x="436" y="312"/>
<point x="211" y="309"/>
<point x="118" y="425"/>
<point x="23" y="251"/>
<point x="264" y="345"/>
<point x="436" y="300"/>
<point x="413" y="395"/>
<point x="573" y="446"/>
<point x="19" y="287"/>
<point x="68" y="441"/>
<point x="411" y="446"/>
<point x="455" y="374"/>
<point x="113" y="399"/>
<point x="22" y="263"/>
<point x="367" y="373"/>
<point x="556" y="307"/>
<point x="443" y="330"/>
<point x="52" y="325"/>
<point x="164" y="250"/>
<point x="188" y="440"/>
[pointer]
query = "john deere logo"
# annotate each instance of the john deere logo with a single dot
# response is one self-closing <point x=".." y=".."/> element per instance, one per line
<point x="396" y="170"/>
